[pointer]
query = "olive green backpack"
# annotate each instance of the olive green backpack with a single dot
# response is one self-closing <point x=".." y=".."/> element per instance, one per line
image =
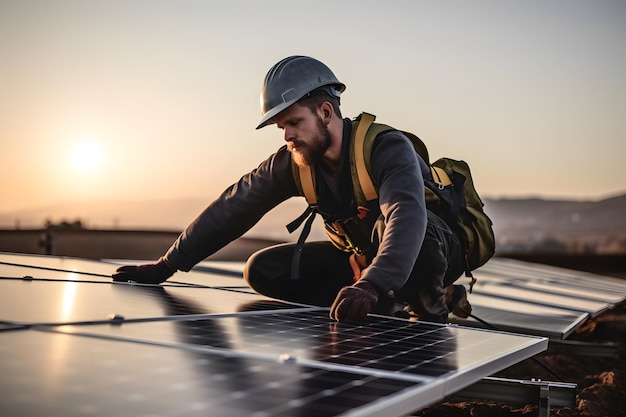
<point x="449" y="191"/>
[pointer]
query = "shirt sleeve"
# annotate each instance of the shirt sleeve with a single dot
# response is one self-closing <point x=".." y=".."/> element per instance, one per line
<point x="235" y="211"/>
<point x="397" y="170"/>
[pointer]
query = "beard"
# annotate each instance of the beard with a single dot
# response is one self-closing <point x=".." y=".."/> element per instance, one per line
<point x="309" y="153"/>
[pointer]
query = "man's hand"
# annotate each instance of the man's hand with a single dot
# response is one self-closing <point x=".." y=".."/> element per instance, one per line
<point x="146" y="274"/>
<point x="354" y="302"/>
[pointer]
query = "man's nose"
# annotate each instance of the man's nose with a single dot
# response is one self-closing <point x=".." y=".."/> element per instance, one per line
<point x="288" y="135"/>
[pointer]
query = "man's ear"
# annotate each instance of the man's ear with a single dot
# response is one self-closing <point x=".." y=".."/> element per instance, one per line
<point x="326" y="112"/>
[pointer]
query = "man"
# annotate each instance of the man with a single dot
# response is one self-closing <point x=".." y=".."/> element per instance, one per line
<point x="407" y="257"/>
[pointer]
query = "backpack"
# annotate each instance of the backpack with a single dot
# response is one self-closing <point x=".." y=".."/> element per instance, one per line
<point x="449" y="191"/>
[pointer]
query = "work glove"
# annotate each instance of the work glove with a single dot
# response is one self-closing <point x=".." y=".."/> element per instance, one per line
<point x="146" y="274"/>
<point x="354" y="302"/>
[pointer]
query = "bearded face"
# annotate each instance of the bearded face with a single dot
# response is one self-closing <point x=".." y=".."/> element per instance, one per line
<point x="308" y="152"/>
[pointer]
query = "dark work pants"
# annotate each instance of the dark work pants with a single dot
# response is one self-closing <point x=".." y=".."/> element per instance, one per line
<point x="324" y="270"/>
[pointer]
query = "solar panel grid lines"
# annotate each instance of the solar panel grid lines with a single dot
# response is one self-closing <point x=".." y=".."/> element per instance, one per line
<point x="416" y="353"/>
<point x="165" y="385"/>
<point x="351" y="389"/>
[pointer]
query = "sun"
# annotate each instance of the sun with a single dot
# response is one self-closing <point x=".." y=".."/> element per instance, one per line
<point x="87" y="156"/>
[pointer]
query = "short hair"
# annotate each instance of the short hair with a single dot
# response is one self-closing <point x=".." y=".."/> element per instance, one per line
<point x="315" y="98"/>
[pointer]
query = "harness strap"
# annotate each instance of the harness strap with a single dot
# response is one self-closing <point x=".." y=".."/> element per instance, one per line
<point x="308" y="185"/>
<point x="309" y="215"/>
<point x="440" y="176"/>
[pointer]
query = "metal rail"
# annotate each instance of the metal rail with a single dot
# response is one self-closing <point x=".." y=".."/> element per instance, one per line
<point x="545" y="394"/>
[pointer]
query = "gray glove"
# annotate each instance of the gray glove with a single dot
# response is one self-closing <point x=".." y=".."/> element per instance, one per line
<point x="354" y="302"/>
<point x="146" y="274"/>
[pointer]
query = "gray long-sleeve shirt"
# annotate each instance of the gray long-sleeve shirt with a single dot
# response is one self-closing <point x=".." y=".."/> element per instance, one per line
<point x="396" y="169"/>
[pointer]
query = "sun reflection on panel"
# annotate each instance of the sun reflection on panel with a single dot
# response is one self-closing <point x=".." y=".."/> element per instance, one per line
<point x="59" y="349"/>
<point x="69" y="295"/>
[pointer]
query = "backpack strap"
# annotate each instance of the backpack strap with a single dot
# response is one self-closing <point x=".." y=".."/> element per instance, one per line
<point x="364" y="132"/>
<point x="364" y="178"/>
<point x="363" y="135"/>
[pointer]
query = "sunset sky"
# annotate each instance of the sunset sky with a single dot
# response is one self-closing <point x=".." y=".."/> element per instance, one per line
<point x="130" y="100"/>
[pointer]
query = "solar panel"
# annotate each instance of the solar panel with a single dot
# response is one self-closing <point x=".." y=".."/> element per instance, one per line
<point x="196" y="350"/>
<point x="559" y="276"/>
<point x="227" y="275"/>
<point x="386" y="344"/>
<point x="57" y="374"/>
<point x="19" y="265"/>
<point x="538" y="299"/>
<point x="72" y="301"/>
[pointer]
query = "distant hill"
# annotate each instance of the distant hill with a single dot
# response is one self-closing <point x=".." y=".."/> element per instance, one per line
<point x="558" y="215"/>
<point x="529" y="222"/>
<point x="518" y="223"/>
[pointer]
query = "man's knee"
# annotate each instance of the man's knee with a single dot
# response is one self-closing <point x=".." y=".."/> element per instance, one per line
<point x="250" y="274"/>
<point x="265" y="269"/>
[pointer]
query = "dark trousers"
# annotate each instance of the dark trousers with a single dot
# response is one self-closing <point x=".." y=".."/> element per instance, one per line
<point x="324" y="270"/>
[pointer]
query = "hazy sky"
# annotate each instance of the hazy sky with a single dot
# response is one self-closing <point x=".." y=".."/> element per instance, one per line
<point x="163" y="96"/>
